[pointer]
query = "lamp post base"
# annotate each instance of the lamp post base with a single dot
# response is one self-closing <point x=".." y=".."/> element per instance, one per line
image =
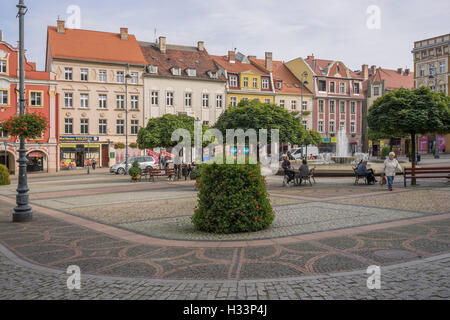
<point x="22" y="214"/>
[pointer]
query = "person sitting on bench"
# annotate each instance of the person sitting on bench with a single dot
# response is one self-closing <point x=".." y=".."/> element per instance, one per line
<point x="304" y="170"/>
<point x="286" y="165"/>
<point x="369" y="173"/>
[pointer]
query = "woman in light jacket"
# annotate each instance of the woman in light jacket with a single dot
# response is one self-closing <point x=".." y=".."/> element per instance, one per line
<point x="390" y="165"/>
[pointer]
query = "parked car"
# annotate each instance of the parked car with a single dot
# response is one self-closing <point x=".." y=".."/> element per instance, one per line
<point x="296" y="153"/>
<point x="144" y="162"/>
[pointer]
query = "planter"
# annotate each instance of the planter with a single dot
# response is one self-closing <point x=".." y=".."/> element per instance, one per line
<point x="135" y="178"/>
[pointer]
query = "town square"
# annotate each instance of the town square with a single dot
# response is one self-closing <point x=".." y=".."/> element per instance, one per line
<point x="157" y="166"/>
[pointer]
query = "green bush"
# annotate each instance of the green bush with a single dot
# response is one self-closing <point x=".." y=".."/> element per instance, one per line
<point x="4" y="175"/>
<point x="232" y="198"/>
<point x="385" y="151"/>
<point x="135" y="170"/>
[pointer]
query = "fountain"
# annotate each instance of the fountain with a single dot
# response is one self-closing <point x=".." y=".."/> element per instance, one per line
<point x="342" y="153"/>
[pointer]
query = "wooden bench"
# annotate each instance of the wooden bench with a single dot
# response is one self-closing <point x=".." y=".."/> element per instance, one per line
<point x="146" y="173"/>
<point x="427" y="173"/>
<point x="161" y="173"/>
<point x="359" y="177"/>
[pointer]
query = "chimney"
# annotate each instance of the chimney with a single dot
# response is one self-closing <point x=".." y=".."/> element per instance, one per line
<point x="251" y="57"/>
<point x="123" y="33"/>
<point x="373" y="69"/>
<point x="311" y="57"/>
<point x="399" y="70"/>
<point x="200" y="46"/>
<point x="231" y="57"/>
<point x="162" y="44"/>
<point x="60" y="26"/>
<point x="365" y="71"/>
<point x="268" y="63"/>
<point x="1" y="35"/>
<point x="406" y="72"/>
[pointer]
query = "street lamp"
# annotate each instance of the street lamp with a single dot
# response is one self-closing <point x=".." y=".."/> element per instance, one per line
<point x="303" y="82"/>
<point x="127" y="76"/>
<point x="22" y="212"/>
<point x="436" y="148"/>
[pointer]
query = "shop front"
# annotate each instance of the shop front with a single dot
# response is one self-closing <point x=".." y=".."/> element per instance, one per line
<point x="37" y="161"/>
<point x="78" y="152"/>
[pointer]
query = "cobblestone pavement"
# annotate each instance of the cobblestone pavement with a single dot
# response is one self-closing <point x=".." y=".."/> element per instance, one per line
<point x="424" y="279"/>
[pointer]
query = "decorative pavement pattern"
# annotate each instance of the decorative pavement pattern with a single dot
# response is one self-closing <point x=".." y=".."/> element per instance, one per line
<point x="329" y="228"/>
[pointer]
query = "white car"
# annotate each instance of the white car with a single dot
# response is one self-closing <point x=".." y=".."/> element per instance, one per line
<point x="144" y="162"/>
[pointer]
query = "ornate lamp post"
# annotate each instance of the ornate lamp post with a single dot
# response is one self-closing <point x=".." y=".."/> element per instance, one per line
<point x="303" y="82"/>
<point x="22" y="212"/>
<point x="436" y="146"/>
<point x="127" y="76"/>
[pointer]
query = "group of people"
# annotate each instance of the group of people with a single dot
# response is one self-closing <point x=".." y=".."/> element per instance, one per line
<point x="289" y="172"/>
<point x="388" y="170"/>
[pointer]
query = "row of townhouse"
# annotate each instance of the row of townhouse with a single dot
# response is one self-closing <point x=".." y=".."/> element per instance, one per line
<point x="99" y="86"/>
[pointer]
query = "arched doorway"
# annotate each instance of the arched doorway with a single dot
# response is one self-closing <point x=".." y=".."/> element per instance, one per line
<point x="37" y="161"/>
<point x="8" y="159"/>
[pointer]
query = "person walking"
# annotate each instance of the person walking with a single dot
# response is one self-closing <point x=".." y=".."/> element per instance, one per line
<point x="94" y="162"/>
<point x="389" y="168"/>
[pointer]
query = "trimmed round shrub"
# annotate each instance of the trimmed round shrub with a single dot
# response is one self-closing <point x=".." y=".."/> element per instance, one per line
<point x="135" y="170"/>
<point x="4" y="175"/>
<point x="232" y="198"/>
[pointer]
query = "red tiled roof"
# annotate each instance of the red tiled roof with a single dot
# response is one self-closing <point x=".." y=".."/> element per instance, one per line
<point x="322" y="67"/>
<point x="281" y="72"/>
<point x="183" y="57"/>
<point x="237" y="67"/>
<point x="393" y="79"/>
<point x="93" y="45"/>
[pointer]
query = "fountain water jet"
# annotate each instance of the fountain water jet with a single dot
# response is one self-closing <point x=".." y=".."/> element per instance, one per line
<point x="342" y="149"/>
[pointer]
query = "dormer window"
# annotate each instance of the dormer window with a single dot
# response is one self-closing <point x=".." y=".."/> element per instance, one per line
<point x="176" y="71"/>
<point x="212" y="74"/>
<point x="191" y="72"/>
<point x="153" y="69"/>
<point x="279" y="85"/>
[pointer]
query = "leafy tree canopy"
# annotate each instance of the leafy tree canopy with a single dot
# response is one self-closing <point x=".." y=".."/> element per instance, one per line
<point x="311" y="137"/>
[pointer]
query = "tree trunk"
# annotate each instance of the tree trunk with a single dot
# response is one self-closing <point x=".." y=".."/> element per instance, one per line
<point x="413" y="157"/>
<point x="306" y="151"/>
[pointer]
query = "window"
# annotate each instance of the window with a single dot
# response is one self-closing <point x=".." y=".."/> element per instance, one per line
<point x="279" y="85"/>
<point x="4" y="97"/>
<point x="233" y="81"/>
<point x="320" y="127"/>
<point x="134" y="102"/>
<point x="68" y="73"/>
<point x="422" y="71"/>
<point x="265" y="83"/>
<point x="245" y="82"/>
<point x="119" y="76"/>
<point x="84" y="126"/>
<point x="206" y="123"/>
<point x="293" y="104"/>
<point x="134" y="126"/>
<point x="342" y="125"/>
<point x="305" y="124"/>
<point x="352" y="127"/>
<point x="169" y="99"/>
<point x="233" y="101"/>
<point x="205" y="100"/>
<point x="376" y="91"/>
<point x="332" y="106"/>
<point x="68" y="125"/>
<point x="3" y="134"/>
<point x="321" y="108"/>
<point x="255" y="83"/>
<point x="134" y="77"/>
<point x="36" y="99"/>
<point x="332" y="88"/>
<point x="305" y="105"/>
<point x="188" y="99"/>
<point x="342" y="108"/>
<point x="219" y="101"/>
<point x="68" y="100"/>
<point x="176" y="71"/>
<point x="322" y="85"/>
<point x="84" y="74"/>
<point x="432" y="69"/>
<point x="102" y="101"/>
<point x="120" y="126"/>
<point x="84" y="100"/>
<point x="102" y="126"/>
<point x="353" y="107"/>
<point x="282" y="103"/>
<point x="266" y="100"/>
<point x="191" y="72"/>
<point x="120" y="101"/>
<point x="102" y="75"/>
<point x="3" y="66"/>
<point x="442" y="67"/>
<point x="154" y="98"/>
<point x="342" y="87"/>
<point x="153" y="69"/>
<point x="356" y="88"/>
<point x="331" y="125"/>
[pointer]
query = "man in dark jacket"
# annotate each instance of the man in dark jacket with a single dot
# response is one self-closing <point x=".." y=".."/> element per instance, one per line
<point x="286" y="165"/>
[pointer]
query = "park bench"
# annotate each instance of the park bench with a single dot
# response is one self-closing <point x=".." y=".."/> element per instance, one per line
<point x="427" y="173"/>
<point x="161" y="173"/>
<point x="359" y="177"/>
<point x="146" y="173"/>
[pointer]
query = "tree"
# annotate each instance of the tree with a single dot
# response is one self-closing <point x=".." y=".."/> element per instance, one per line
<point x="310" y="137"/>
<point x="406" y="111"/>
<point x="257" y="115"/>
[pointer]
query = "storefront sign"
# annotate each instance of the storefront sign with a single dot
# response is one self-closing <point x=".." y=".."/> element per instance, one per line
<point x="330" y="140"/>
<point x="76" y="139"/>
<point x="36" y="154"/>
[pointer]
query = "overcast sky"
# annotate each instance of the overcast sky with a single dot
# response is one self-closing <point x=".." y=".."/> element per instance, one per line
<point x="331" y="29"/>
